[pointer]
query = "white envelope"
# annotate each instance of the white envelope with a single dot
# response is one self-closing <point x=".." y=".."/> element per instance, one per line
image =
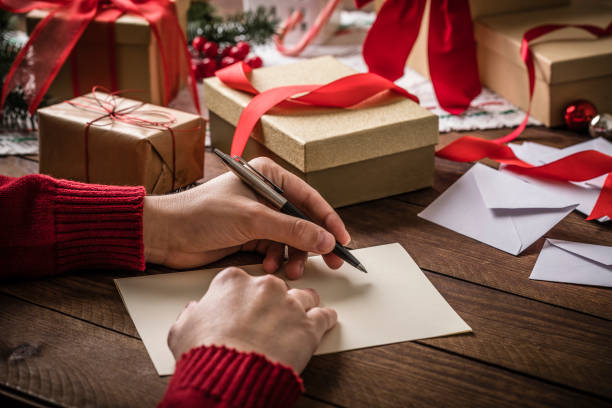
<point x="497" y="209"/>
<point x="584" y="193"/>
<point x="574" y="262"/>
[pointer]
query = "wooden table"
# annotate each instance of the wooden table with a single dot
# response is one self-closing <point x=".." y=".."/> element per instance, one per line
<point x="68" y="340"/>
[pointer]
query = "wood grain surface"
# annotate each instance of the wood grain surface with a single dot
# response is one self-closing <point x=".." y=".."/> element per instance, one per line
<point x="68" y="340"/>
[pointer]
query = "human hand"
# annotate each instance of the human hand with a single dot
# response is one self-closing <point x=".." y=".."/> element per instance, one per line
<point x="254" y="314"/>
<point x="223" y="216"/>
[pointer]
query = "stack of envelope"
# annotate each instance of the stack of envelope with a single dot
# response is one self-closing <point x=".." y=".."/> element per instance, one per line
<point x="574" y="262"/>
<point x="498" y="209"/>
<point x="584" y="193"/>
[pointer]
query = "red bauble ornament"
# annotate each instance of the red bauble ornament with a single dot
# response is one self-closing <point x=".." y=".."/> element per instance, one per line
<point x="210" y="49"/>
<point x="207" y="67"/>
<point x="237" y="53"/>
<point x="198" y="43"/>
<point x="244" y="47"/>
<point x="254" y="62"/>
<point x="227" y="61"/>
<point x="225" y="52"/>
<point x="195" y="68"/>
<point x="578" y="115"/>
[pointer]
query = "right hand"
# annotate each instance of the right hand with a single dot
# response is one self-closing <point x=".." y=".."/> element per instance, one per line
<point x="257" y="314"/>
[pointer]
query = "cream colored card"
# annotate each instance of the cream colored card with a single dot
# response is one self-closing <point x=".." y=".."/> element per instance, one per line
<point x="394" y="302"/>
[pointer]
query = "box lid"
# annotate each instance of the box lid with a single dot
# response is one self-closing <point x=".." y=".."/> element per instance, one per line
<point x="319" y="138"/>
<point x="562" y="56"/>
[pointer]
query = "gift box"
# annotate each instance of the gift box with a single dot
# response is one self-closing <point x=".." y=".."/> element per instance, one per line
<point x="348" y="155"/>
<point x="138" y="60"/>
<point x="570" y="64"/>
<point x="478" y="8"/>
<point x="78" y="140"/>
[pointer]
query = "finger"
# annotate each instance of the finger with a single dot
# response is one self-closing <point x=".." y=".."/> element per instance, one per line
<point x="305" y="197"/>
<point x="323" y="318"/>
<point x="308" y="298"/>
<point x="294" y="268"/>
<point x="266" y="223"/>
<point x="333" y="261"/>
<point x="274" y="257"/>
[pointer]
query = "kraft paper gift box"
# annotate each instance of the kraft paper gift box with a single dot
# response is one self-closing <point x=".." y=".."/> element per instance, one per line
<point x="120" y="153"/>
<point x="570" y="64"/>
<point x="348" y="155"/>
<point x="139" y="64"/>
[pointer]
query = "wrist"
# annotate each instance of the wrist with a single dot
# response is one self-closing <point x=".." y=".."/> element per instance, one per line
<point x="154" y="230"/>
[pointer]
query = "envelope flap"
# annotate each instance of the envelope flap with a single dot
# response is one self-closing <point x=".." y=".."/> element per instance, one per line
<point x="500" y="190"/>
<point x="599" y="253"/>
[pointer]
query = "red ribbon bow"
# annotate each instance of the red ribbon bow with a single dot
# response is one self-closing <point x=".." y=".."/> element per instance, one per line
<point x="54" y="38"/>
<point x="451" y="48"/>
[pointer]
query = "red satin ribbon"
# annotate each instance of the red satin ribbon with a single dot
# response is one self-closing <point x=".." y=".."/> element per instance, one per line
<point x="342" y="93"/>
<point x="578" y="167"/>
<point x="451" y="48"/>
<point x="54" y="38"/>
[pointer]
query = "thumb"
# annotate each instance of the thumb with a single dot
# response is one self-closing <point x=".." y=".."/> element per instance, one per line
<point x="293" y="231"/>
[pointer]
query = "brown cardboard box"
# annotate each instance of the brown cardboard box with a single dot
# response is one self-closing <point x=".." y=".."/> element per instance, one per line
<point x="120" y="153"/>
<point x="348" y="155"/>
<point x="479" y="8"/>
<point x="139" y="64"/>
<point x="570" y="63"/>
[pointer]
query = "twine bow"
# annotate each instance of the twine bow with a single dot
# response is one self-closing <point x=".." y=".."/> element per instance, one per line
<point x="108" y="106"/>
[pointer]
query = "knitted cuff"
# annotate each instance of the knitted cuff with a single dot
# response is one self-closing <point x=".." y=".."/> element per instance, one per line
<point x="236" y="379"/>
<point x="98" y="226"/>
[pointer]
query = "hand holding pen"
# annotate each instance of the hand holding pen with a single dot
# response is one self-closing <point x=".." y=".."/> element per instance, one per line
<point x="275" y="195"/>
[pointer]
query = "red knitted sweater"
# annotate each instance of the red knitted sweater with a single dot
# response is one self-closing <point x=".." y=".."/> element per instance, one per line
<point x="50" y="226"/>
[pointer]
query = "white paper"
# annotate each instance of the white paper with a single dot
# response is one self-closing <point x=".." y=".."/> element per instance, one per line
<point x="498" y="209"/>
<point x="394" y="302"/>
<point x="574" y="262"/>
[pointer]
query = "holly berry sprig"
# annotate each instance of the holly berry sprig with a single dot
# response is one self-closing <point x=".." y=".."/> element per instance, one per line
<point x="207" y="57"/>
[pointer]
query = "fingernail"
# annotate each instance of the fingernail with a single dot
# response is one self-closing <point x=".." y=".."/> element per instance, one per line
<point x="324" y="242"/>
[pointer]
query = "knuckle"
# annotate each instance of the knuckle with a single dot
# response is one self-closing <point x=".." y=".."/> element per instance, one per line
<point x="230" y="273"/>
<point x="299" y="228"/>
<point x="271" y="282"/>
<point x="261" y="163"/>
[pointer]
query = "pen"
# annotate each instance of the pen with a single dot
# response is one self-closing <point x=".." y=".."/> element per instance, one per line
<point x="273" y="193"/>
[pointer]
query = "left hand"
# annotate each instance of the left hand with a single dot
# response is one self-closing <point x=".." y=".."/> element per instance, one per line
<point x="224" y="216"/>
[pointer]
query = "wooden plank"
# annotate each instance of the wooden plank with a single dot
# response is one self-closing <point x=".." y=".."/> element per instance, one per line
<point x="529" y="337"/>
<point x="441" y="250"/>
<point x="72" y="363"/>
<point x="14" y="166"/>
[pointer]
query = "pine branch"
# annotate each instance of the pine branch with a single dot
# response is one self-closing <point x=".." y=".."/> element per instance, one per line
<point x="255" y="27"/>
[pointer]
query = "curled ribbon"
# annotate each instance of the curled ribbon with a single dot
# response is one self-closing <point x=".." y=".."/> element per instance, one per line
<point x="108" y="106"/>
<point x="54" y="38"/>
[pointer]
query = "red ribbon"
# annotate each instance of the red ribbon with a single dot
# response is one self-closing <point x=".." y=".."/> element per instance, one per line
<point x="342" y="93"/>
<point x="451" y="48"/>
<point x="109" y="107"/>
<point x="54" y="38"/>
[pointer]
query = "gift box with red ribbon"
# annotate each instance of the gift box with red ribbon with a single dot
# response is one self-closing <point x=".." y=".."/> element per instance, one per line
<point x="377" y="148"/>
<point x="106" y="139"/>
<point x="570" y="64"/>
<point x="123" y="51"/>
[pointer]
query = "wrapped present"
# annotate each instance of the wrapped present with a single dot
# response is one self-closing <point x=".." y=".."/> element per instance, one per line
<point x="106" y="139"/>
<point x="138" y="63"/>
<point x="348" y="155"/>
<point x="570" y="64"/>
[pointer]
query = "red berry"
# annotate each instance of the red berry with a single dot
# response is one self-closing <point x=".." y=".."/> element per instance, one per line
<point x="227" y="61"/>
<point x="254" y="62"/>
<point x="225" y="52"/>
<point x="196" y="68"/>
<point x="239" y="53"/>
<point x="244" y="46"/>
<point x="207" y="67"/>
<point x="198" y="43"/>
<point x="210" y="49"/>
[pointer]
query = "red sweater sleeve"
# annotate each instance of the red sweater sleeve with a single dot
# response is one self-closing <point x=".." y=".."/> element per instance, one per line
<point x="51" y="226"/>
<point x="219" y="377"/>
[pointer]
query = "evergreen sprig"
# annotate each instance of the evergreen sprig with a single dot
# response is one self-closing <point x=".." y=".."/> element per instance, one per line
<point x="255" y="27"/>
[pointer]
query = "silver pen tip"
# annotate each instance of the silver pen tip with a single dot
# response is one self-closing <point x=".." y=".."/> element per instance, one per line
<point x="362" y="268"/>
